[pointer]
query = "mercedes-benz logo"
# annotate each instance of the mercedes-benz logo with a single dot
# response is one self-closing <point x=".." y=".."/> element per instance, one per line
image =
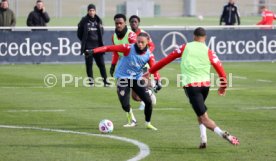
<point x="171" y="41"/>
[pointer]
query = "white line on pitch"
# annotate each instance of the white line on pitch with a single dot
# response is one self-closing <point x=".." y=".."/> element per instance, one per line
<point x="265" y="81"/>
<point x="260" y="108"/>
<point x="144" y="149"/>
<point x="167" y="109"/>
<point x="18" y="87"/>
<point x="239" y="77"/>
<point x="35" y="110"/>
<point x="228" y="89"/>
<point x="164" y="109"/>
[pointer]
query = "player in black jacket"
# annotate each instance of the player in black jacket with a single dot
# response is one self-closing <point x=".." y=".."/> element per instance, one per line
<point x="230" y="14"/>
<point x="90" y="33"/>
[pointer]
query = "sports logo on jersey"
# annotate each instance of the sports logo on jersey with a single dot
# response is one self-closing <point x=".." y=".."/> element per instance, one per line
<point x="172" y="41"/>
<point x="122" y="92"/>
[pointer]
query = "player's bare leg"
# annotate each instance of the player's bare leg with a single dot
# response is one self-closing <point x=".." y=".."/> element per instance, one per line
<point x="203" y="136"/>
<point x="210" y="124"/>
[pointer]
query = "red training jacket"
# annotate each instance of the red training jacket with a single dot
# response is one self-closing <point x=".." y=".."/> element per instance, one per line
<point x="268" y="17"/>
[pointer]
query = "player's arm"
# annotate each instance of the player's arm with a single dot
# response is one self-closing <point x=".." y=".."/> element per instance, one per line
<point x="238" y="16"/>
<point x="177" y="53"/>
<point x="151" y="46"/>
<point x="222" y="16"/>
<point x="158" y="84"/>
<point x="132" y="38"/>
<point x="151" y="64"/>
<point x="115" y="56"/>
<point x="220" y="70"/>
<point x="30" y="19"/>
<point x="80" y="30"/>
<point x="124" y="48"/>
<point x="262" y="22"/>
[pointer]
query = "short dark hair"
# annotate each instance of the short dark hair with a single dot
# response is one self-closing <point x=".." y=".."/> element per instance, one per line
<point x="120" y="15"/>
<point x="4" y="1"/>
<point x="262" y="7"/>
<point x="134" y="16"/>
<point x="38" y="1"/>
<point x="200" y="32"/>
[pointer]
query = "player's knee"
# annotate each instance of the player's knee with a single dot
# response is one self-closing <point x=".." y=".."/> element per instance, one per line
<point x="153" y="99"/>
<point x="203" y="118"/>
<point x="126" y="108"/>
<point x="148" y="102"/>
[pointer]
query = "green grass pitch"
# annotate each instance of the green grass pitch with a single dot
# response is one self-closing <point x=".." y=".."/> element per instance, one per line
<point x="248" y="111"/>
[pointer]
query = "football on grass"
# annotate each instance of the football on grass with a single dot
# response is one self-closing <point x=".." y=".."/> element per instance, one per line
<point x="106" y="126"/>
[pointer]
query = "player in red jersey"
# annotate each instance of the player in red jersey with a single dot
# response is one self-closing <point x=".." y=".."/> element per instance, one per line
<point x="196" y="61"/>
<point x="134" y="22"/>
<point x="267" y="17"/>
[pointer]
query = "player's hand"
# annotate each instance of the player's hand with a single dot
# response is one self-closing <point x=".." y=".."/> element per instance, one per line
<point x="222" y="91"/>
<point x="158" y="86"/>
<point x="112" y="69"/>
<point x="223" y="86"/>
<point x="89" y="52"/>
<point x="146" y="75"/>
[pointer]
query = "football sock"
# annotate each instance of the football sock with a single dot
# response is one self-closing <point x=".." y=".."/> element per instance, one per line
<point x="132" y="115"/>
<point x="218" y="131"/>
<point x="203" y="134"/>
<point x="142" y="103"/>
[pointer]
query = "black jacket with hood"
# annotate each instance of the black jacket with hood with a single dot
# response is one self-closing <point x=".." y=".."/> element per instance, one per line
<point x="37" y="18"/>
<point x="82" y="32"/>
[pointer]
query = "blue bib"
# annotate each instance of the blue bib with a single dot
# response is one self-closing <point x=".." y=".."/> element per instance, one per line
<point x="131" y="66"/>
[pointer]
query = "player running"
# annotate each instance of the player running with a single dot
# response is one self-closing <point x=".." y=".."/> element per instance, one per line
<point x="196" y="61"/>
<point x="128" y="75"/>
<point x="134" y="22"/>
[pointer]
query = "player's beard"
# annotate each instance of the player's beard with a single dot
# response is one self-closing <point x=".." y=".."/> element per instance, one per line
<point x="121" y="34"/>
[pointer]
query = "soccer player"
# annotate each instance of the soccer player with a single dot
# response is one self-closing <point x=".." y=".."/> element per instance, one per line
<point x="134" y="22"/>
<point x="122" y="35"/>
<point x="128" y="74"/>
<point x="196" y="61"/>
<point x="267" y="16"/>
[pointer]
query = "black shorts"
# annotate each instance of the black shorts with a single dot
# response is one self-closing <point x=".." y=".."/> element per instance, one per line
<point x="197" y="97"/>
